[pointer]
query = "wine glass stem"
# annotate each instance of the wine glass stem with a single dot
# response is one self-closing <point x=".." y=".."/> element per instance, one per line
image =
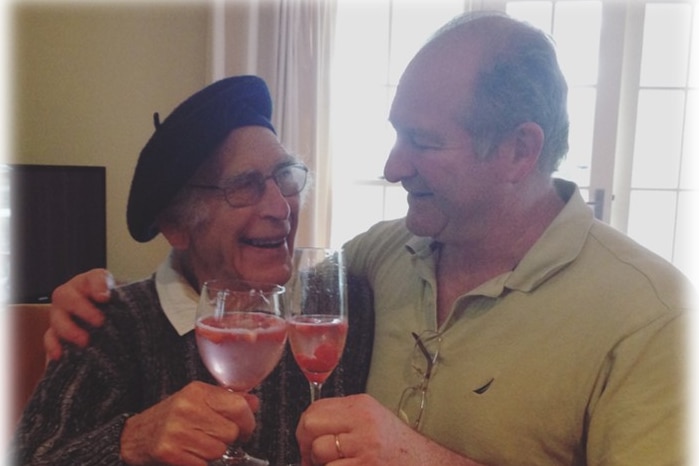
<point x="315" y="391"/>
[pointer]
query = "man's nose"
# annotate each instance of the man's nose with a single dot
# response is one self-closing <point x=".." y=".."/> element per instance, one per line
<point x="273" y="202"/>
<point x="398" y="165"/>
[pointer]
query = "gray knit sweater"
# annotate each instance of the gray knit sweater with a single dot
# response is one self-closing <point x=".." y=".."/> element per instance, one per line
<point x="76" y="415"/>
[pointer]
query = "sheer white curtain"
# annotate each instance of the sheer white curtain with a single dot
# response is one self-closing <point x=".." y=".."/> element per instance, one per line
<point x="288" y="43"/>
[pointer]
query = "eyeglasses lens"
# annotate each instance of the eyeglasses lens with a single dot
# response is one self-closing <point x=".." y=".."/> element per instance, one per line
<point x="290" y="179"/>
<point x="248" y="190"/>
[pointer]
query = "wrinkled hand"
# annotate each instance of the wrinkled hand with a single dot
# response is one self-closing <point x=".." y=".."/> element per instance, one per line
<point x="191" y="427"/>
<point x="76" y="298"/>
<point x="368" y="434"/>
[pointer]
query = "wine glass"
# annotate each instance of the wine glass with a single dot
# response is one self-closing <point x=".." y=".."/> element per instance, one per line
<point x="241" y="333"/>
<point x="317" y="300"/>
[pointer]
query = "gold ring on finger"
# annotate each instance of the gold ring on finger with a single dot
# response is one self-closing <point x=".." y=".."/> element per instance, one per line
<point x="338" y="447"/>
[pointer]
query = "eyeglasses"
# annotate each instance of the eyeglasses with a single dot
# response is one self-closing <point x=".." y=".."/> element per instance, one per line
<point x="424" y="361"/>
<point x="248" y="189"/>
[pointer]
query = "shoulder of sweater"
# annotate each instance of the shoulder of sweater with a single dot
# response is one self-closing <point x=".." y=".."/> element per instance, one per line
<point x="138" y="289"/>
<point x="136" y="299"/>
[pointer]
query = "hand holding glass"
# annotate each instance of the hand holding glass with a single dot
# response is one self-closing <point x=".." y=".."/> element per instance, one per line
<point x="241" y="333"/>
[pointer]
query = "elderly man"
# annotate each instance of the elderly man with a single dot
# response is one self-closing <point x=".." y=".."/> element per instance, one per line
<point x="511" y="328"/>
<point x="216" y="182"/>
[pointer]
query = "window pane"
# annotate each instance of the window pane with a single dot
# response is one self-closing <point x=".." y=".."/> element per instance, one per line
<point x="652" y="220"/>
<point x="581" y="108"/>
<point x="413" y="22"/>
<point x="658" y="139"/>
<point x="359" y="133"/>
<point x="690" y="157"/>
<point x="577" y="33"/>
<point x="361" y="56"/>
<point x="694" y="57"/>
<point x="686" y="256"/>
<point x="355" y="211"/>
<point x="538" y="14"/>
<point x="665" y="45"/>
<point x="396" y="202"/>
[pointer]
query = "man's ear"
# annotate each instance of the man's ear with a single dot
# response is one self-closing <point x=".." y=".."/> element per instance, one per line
<point x="177" y="236"/>
<point x="523" y="150"/>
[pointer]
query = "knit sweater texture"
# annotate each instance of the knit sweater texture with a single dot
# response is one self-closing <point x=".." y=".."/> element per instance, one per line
<point x="78" y="411"/>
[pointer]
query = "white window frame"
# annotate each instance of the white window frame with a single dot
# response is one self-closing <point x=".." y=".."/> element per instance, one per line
<point x="615" y="110"/>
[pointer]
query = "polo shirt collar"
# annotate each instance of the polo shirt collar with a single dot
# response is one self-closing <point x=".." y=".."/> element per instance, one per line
<point x="560" y="243"/>
<point x="558" y="246"/>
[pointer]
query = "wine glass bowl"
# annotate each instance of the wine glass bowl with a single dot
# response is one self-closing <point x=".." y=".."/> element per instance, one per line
<point x="241" y="332"/>
<point x="317" y="343"/>
<point x="317" y="310"/>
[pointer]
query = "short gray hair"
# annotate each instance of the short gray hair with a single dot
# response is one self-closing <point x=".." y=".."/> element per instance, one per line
<point x="188" y="209"/>
<point x="519" y="81"/>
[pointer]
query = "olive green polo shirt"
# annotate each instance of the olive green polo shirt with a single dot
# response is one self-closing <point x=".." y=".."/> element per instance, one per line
<point x="574" y="357"/>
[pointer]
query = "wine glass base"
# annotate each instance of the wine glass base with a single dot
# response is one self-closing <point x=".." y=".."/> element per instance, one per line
<point x="242" y="460"/>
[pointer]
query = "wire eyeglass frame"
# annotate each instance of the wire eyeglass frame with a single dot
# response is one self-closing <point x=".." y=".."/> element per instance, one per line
<point x="421" y="388"/>
<point x="247" y="189"/>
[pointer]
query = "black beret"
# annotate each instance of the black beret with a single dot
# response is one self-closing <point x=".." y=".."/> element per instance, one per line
<point x="187" y="137"/>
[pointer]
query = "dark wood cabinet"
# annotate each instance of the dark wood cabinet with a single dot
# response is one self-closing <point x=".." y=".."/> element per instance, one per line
<point x="57" y="225"/>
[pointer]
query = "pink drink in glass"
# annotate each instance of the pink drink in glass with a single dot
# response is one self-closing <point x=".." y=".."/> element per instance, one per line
<point x="240" y="349"/>
<point x="317" y="342"/>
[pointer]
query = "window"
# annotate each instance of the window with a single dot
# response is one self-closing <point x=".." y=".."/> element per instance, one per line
<point x="662" y="186"/>
<point x="374" y="42"/>
<point x="632" y="100"/>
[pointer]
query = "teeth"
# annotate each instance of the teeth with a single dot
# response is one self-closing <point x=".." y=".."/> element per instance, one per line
<point x="264" y="243"/>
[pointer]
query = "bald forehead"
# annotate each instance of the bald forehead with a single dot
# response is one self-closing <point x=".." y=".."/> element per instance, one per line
<point x="460" y="50"/>
<point x="444" y="70"/>
<point x="479" y="38"/>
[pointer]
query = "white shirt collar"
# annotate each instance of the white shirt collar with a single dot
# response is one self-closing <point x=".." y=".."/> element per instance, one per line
<point x="177" y="297"/>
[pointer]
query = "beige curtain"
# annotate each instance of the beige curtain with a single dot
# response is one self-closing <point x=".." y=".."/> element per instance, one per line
<point x="288" y="43"/>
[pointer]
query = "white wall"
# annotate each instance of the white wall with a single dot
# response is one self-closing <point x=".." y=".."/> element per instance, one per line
<point x="86" y="79"/>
